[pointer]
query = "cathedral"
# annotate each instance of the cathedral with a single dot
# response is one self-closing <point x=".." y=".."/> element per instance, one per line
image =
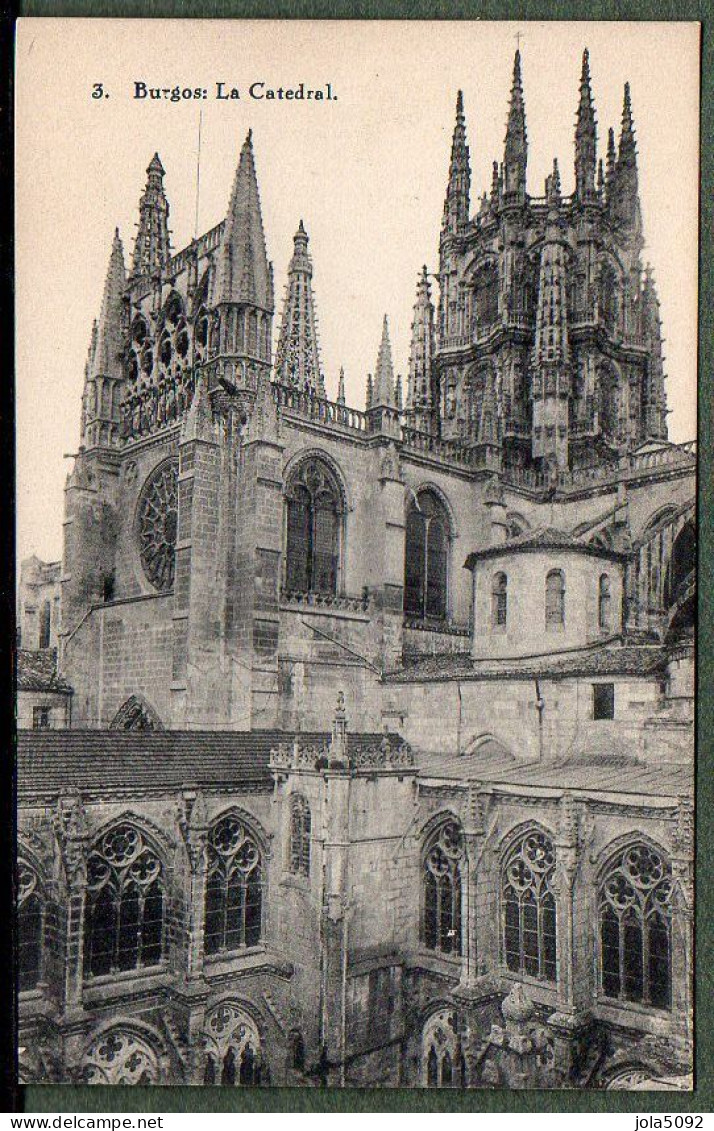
<point x="379" y="765"/>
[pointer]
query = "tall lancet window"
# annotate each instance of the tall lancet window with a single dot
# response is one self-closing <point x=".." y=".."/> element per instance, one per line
<point x="528" y="907"/>
<point x="426" y="558"/>
<point x="555" y="599"/>
<point x="442" y="864"/>
<point x="604" y="613"/>
<point x="314" y="526"/>
<point x="499" y="602"/>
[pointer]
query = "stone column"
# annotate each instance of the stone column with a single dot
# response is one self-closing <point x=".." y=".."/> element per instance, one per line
<point x="682" y="940"/>
<point x="73" y="840"/>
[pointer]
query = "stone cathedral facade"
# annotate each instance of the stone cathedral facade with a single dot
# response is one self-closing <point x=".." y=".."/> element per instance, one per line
<point x="381" y="760"/>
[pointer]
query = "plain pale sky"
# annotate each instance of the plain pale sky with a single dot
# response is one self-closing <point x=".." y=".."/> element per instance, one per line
<point x="366" y="173"/>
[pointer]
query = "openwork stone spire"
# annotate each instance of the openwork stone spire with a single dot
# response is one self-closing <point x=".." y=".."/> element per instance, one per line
<point x="104" y="362"/>
<point x="383" y="395"/>
<point x="243" y="274"/>
<point x="152" y="250"/>
<point x="516" y="146"/>
<point x="625" y="197"/>
<point x="419" y="407"/>
<point x="297" y="359"/>
<point x="585" y="137"/>
<point x="456" y="204"/>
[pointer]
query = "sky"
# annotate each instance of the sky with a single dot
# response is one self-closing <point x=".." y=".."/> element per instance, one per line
<point x="366" y="173"/>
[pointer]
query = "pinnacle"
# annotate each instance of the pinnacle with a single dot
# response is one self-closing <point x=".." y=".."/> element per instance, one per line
<point x="384" y="373"/>
<point x="155" y="166"/>
<point x="459" y="104"/>
<point x="242" y="261"/>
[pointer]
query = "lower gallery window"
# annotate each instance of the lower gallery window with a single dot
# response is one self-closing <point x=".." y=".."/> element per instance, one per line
<point x="441" y="927"/>
<point x="443" y="1061"/>
<point x="528" y="907"/>
<point x="426" y="557"/>
<point x="234" y="888"/>
<point x="124" y="910"/>
<point x="636" y="927"/>
<point x="314" y="508"/>
<point x="30" y="916"/>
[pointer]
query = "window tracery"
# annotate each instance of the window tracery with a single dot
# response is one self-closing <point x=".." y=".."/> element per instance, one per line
<point x="233" y="1048"/>
<point x="426" y="557"/>
<point x="443" y="1061"/>
<point x="30" y="924"/>
<point x="441" y="872"/>
<point x="636" y="927"/>
<point x="157" y="521"/>
<point x="528" y="907"/>
<point x="234" y="888"/>
<point x="120" y="1056"/>
<point x="300" y="824"/>
<point x="124" y="910"/>
<point x="314" y="511"/>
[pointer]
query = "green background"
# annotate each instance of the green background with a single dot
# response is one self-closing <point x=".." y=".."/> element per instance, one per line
<point x="106" y="1099"/>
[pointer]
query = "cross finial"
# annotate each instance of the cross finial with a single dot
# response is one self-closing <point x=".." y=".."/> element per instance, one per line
<point x="518" y="37"/>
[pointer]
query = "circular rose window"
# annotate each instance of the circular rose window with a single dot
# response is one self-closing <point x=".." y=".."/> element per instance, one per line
<point x="157" y="523"/>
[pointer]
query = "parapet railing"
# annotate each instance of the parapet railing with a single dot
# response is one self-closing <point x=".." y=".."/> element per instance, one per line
<point x="314" y="407"/>
<point x="337" y="601"/>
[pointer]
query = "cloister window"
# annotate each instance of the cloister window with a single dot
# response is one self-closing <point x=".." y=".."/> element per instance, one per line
<point x="636" y="927"/>
<point x="299" y="835"/>
<point x="528" y="907"/>
<point x="426" y="557"/>
<point x="443" y="1061"/>
<point x="555" y="599"/>
<point x="499" y="601"/>
<point x="124" y="912"/>
<point x="120" y="1056"/>
<point x="233" y="1052"/>
<point x="30" y="921"/>
<point x="441" y="871"/>
<point x="604" y="608"/>
<point x="314" y="512"/>
<point x="234" y="889"/>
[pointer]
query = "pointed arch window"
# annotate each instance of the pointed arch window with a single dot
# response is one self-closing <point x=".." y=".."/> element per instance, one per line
<point x="485" y="300"/>
<point x="426" y="558"/>
<point x="609" y="298"/>
<point x="300" y="825"/>
<point x="499" y="602"/>
<point x="120" y="1056"/>
<point x="234" y="888"/>
<point x="441" y="877"/>
<point x="604" y="608"/>
<point x="443" y="1061"/>
<point x="30" y="926"/>
<point x="233" y="1049"/>
<point x="635" y="915"/>
<point x="555" y="599"/>
<point x="45" y="625"/>
<point x="314" y="530"/>
<point x="124" y="910"/>
<point x="528" y="907"/>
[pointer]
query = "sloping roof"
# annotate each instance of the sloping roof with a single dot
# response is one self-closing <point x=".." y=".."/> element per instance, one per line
<point x="37" y="671"/>
<point x="106" y="760"/>
<point x="542" y="538"/>
<point x="628" y="659"/>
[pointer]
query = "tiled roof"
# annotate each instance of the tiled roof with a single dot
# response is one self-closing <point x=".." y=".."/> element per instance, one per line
<point x="543" y="538"/>
<point x="99" y="760"/>
<point x="628" y="659"/>
<point x="37" y="671"/>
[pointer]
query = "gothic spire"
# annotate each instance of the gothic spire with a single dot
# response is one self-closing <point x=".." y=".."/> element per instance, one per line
<point x="341" y="398"/>
<point x="655" y="396"/>
<point x="398" y="394"/>
<point x="104" y="361"/>
<point x="585" y="137"/>
<point x="152" y="250"/>
<point x="551" y="352"/>
<point x="456" y="204"/>
<point x="610" y="165"/>
<point x="419" y="405"/>
<point x="626" y="186"/>
<point x="243" y="274"/>
<point x="383" y="394"/>
<point x="516" y="145"/>
<point x="297" y="359"/>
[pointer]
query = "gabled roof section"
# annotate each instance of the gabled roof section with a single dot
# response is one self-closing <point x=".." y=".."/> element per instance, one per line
<point x="37" y="671"/>
<point x="542" y="538"/>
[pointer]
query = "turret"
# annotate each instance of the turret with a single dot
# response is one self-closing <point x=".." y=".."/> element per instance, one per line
<point x="383" y="412"/>
<point x="297" y="359"/>
<point x="585" y="137"/>
<point x="103" y="372"/>
<point x="420" y="406"/>
<point x="456" y="204"/>
<point x="152" y="250"/>
<point x="243" y="289"/>
<point x="515" y="157"/>
<point x="341" y="398"/>
<point x="551" y="352"/>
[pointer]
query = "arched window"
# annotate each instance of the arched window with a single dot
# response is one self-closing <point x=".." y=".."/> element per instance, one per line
<point x="636" y="927"/>
<point x="443" y="1061"/>
<point x="604" y="608"/>
<point x="555" y="599"/>
<point x="609" y="298"/>
<point x="299" y="835"/>
<point x="485" y="300"/>
<point x="233" y="1051"/>
<point x="136" y="714"/>
<point x="499" y="601"/>
<point x="120" y="1056"/>
<point x="30" y="923"/>
<point x="314" y="511"/>
<point x="610" y="408"/>
<point x="234" y="889"/>
<point x="682" y="562"/>
<point x="124" y="910"/>
<point x="426" y="557"/>
<point x="441" y="877"/>
<point x="528" y="907"/>
<point x="45" y="624"/>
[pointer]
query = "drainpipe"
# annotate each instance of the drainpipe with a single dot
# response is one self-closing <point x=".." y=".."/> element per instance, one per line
<point x="540" y="707"/>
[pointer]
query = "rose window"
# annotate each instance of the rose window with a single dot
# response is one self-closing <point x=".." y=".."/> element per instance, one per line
<point x="157" y="525"/>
